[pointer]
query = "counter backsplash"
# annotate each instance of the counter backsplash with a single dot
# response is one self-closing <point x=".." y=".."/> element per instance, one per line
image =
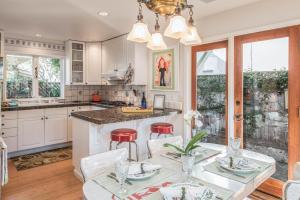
<point x="132" y="94"/>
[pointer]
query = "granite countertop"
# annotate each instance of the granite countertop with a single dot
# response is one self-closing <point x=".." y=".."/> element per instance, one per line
<point x="58" y="105"/>
<point x="114" y="115"/>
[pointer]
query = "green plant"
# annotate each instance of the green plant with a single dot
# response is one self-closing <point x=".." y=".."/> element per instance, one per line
<point x="187" y="151"/>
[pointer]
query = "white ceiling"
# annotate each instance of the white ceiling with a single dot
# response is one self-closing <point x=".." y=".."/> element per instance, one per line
<point x="78" y="19"/>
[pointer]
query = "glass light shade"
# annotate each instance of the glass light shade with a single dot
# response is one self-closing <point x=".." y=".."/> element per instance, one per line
<point x="177" y="27"/>
<point x="139" y="33"/>
<point x="191" y="37"/>
<point x="156" y="42"/>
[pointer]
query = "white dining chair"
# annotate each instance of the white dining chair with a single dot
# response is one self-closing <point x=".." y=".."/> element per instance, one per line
<point x="291" y="189"/>
<point x="156" y="146"/>
<point x="94" y="165"/>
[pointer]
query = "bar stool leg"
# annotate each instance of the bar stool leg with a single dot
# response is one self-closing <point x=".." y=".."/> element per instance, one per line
<point x="118" y="144"/>
<point x="129" y="151"/>
<point x="110" y="145"/>
<point x="136" y="151"/>
<point x="150" y="135"/>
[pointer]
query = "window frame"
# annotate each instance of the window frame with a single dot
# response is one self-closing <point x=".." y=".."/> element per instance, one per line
<point x="35" y="80"/>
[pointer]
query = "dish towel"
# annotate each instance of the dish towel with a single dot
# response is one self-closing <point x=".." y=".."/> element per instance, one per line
<point x="3" y="160"/>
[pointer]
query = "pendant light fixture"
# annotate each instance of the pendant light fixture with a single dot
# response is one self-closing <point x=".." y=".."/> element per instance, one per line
<point x="177" y="26"/>
<point x="191" y="37"/>
<point x="156" y="42"/>
<point x="139" y="32"/>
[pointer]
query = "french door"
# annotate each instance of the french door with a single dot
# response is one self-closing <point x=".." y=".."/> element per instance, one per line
<point x="267" y="98"/>
<point x="209" y="89"/>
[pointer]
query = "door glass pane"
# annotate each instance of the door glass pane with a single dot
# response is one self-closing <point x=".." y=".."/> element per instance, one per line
<point x="19" y="76"/>
<point x="211" y="93"/>
<point x="49" y="77"/>
<point x="265" y="86"/>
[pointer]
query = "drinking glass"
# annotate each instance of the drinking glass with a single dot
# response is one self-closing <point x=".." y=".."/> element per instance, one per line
<point x="234" y="146"/>
<point x="121" y="168"/>
<point x="188" y="164"/>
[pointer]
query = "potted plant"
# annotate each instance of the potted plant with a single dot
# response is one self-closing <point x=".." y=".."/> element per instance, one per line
<point x="186" y="154"/>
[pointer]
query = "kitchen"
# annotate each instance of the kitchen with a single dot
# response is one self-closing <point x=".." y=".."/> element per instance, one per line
<point x="78" y="80"/>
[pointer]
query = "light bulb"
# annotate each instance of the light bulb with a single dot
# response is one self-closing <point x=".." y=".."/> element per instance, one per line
<point x="156" y="42"/>
<point x="191" y="37"/>
<point x="139" y="33"/>
<point x="177" y="27"/>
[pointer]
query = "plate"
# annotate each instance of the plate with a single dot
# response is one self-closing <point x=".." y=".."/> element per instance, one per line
<point x="199" y="191"/>
<point x="136" y="171"/>
<point x="240" y="165"/>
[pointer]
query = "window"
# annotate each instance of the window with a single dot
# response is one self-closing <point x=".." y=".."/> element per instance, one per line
<point x="33" y="76"/>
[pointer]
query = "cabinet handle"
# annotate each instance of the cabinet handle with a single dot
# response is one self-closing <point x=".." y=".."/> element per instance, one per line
<point x="46" y="117"/>
<point x="3" y="133"/>
<point x="2" y="124"/>
<point x="3" y="115"/>
<point x="42" y="118"/>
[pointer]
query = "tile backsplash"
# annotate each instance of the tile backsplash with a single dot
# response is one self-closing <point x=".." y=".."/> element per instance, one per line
<point x="132" y="94"/>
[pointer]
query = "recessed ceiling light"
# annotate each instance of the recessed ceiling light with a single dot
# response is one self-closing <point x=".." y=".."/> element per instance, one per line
<point x="102" y="13"/>
<point x="38" y="35"/>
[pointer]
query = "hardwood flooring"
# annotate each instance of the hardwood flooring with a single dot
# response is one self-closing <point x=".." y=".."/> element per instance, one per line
<point x="56" y="182"/>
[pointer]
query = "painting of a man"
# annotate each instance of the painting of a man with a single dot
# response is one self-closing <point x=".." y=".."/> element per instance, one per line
<point x="163" y="70"/>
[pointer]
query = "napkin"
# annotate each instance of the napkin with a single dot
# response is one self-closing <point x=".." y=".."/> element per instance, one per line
<point x="191" y="192"/>
<point x="135" y="168"/>
<point x="239" y="163"/>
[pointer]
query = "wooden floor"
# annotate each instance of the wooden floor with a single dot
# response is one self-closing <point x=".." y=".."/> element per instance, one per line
<point x="55" y="182"/>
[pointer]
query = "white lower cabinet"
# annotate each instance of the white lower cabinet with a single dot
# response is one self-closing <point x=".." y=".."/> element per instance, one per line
<point x="31" y="133"/>
<point x="56" y="129"/>
<point x="70" y="110"/>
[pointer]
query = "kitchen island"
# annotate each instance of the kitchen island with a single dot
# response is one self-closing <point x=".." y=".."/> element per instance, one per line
<point x="91" y="130"/>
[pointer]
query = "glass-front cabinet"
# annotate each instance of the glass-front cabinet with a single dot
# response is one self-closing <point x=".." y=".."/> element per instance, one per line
<point x="75" y="63"/>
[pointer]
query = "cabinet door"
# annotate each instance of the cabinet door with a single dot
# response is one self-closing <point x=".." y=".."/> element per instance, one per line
<point x="31" y="133"/>
<point x="70" y="110"/>
<point x="56" y="129"/>
<point x="113" y="56"/>
<point x="93" y="63"/>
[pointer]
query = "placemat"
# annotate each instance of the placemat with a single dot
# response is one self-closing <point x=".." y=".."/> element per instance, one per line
<point x="202" y="154"/>
<point x="243" y="178"/>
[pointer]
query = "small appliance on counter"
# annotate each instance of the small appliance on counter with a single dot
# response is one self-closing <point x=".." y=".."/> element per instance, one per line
<point x="96" y="97"/>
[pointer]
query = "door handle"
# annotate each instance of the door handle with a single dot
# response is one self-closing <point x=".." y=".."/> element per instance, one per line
<point x="238" y="117"/>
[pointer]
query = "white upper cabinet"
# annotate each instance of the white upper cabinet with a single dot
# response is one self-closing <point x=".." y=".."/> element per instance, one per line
<point x="93" y="63"/>
<point x="1" y="44"/>
<point x="75" y="63"/>
<point x="119" y="53"/>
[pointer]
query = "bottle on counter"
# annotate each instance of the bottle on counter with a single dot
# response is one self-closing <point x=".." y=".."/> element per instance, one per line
<point x="144" y="101"/>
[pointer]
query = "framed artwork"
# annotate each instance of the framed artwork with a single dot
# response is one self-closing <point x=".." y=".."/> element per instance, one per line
<point x="163" y="70"/>
<point x="159" y="102"/>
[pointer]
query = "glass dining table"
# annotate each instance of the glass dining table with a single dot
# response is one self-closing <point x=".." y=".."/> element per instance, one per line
<point x="226" y="184"/>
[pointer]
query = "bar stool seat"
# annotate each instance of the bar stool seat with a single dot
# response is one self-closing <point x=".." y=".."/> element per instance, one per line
<point x="162" y="128"/>
<point x="124" y="135"/>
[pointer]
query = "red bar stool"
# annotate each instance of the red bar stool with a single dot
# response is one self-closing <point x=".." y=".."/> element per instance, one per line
<point x="124" y="135"/>
<point x="161" y="129"/>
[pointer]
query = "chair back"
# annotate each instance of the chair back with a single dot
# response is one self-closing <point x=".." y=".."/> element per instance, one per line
<point x="94" y="165"/>
<point x="156" y="146"/>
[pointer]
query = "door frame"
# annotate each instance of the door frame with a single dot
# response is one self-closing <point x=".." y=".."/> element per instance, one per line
<point x="273" y="186"/>
<point x="208" y="47"/>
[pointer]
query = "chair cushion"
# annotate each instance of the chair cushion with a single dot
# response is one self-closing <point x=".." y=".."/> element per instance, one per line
<point x="124" y="135"/>
<point x="162" y="128"/>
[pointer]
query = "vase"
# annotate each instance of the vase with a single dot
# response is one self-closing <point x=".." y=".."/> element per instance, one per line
<point x="187" y="164"/>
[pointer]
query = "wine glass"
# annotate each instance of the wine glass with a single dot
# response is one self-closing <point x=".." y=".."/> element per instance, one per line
<point x="121" y="168"/>
<point x="234" y="146"/>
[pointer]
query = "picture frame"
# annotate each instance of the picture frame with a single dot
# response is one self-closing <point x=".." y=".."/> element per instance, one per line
<point x="164" y="69"/>
<point x="159" y="102"/>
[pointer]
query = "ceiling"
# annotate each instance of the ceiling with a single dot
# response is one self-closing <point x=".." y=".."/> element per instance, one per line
<point x="78" y="19"/>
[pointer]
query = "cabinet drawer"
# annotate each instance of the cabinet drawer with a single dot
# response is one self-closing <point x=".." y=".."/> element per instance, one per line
<point x="9" y="123"/>
<point x="56" y="111"/>
<point x="12" y="143"/>
<point x="9" y="115"/>
<point x="10" y="132"/>
<point x="25" y="114"/>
